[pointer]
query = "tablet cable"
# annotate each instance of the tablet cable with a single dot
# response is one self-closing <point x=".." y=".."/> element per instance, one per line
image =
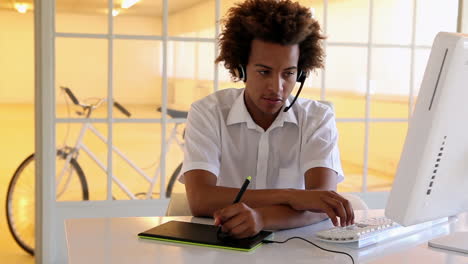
<point x="310" y="242"/>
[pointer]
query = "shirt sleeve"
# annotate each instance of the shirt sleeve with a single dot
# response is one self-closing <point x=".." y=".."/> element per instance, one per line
<point x="202" y="144"/>
<point x="320" y="147"/>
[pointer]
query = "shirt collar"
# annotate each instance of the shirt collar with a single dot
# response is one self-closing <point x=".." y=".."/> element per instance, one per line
<point x="240" y="114"/>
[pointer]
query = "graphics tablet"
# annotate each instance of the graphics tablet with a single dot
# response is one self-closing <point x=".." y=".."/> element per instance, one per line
<point x="202" y="235"/>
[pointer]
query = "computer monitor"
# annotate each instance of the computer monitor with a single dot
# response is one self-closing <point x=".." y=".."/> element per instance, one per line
<point x="431" y="181"/>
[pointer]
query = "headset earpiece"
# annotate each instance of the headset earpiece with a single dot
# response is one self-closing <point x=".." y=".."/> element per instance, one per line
<point x="301" y="76"/>
<point x="240" y="73"/>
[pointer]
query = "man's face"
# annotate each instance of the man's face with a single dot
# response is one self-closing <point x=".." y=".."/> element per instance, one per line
<point x="271" y="76"/>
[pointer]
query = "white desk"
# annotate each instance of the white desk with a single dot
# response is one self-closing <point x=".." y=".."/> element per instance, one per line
<point x="114" y="240"/>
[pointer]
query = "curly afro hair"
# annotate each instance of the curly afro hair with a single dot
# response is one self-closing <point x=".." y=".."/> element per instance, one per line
<point x="283" y="22"/>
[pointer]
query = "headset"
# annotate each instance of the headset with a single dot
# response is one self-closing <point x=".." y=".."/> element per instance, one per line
<point x="241" y="74"/>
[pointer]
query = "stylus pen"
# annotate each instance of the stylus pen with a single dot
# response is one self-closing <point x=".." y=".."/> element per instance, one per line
<point x="242" y="189"/>
<point x="239" y="194"/>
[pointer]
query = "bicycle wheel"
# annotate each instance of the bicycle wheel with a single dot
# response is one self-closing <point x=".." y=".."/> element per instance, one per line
<point x="172" y="181"/>
<point x="20" y="206"/>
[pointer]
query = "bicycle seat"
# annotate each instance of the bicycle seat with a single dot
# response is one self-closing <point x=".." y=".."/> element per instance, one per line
<point x="173" y="113"/>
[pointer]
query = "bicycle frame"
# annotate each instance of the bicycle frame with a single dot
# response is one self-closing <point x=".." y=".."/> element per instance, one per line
<point x="80" y="145"/>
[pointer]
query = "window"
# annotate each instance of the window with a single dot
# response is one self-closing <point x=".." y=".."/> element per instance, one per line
<point x="376" y="54"/>
<point x="150" y="57"/>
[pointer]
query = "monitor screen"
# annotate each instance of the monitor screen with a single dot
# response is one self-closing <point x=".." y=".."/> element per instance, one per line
<point x="431" y="181"/>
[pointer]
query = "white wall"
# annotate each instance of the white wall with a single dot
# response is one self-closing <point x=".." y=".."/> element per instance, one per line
<point x="81" y="63"/>
<point x="16" y="57"/>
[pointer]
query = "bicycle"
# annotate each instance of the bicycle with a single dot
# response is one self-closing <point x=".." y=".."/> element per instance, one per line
<point x="71" y="183"/>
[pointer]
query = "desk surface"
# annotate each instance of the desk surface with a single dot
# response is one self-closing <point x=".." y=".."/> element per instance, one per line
<point x="114" y="240"/>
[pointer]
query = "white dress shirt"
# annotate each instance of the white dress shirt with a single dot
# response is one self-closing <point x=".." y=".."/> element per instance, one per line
<point x="222" y="138"/>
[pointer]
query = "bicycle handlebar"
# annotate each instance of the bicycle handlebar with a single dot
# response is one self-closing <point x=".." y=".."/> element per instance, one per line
<point x="73" y="98"/>
<point x="122" y="109"/>
<point x="71" y="95"/>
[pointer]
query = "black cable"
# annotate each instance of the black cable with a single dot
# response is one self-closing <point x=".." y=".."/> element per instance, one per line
<point x="310" y="242"/>
<point x="295" y="97"/>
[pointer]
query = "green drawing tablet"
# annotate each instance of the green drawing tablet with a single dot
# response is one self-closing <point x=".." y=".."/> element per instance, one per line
<point x="202" y="235"/>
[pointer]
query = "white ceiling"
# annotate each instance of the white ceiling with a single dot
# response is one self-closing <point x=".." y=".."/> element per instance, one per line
<point x="142" y="8"/>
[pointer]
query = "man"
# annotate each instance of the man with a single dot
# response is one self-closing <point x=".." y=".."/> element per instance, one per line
<point x="291" y="155"/>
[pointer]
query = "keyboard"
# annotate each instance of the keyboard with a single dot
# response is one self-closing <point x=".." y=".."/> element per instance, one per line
<point x="360" y="230"/>
<point x="370" y="231"/>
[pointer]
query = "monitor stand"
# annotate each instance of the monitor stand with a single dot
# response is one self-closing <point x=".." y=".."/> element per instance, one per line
<point x="457" y="241"/>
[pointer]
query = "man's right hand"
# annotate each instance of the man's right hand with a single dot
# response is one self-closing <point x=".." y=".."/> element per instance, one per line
<point x="239" y="220"/>
<point x="329" y="202"/>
